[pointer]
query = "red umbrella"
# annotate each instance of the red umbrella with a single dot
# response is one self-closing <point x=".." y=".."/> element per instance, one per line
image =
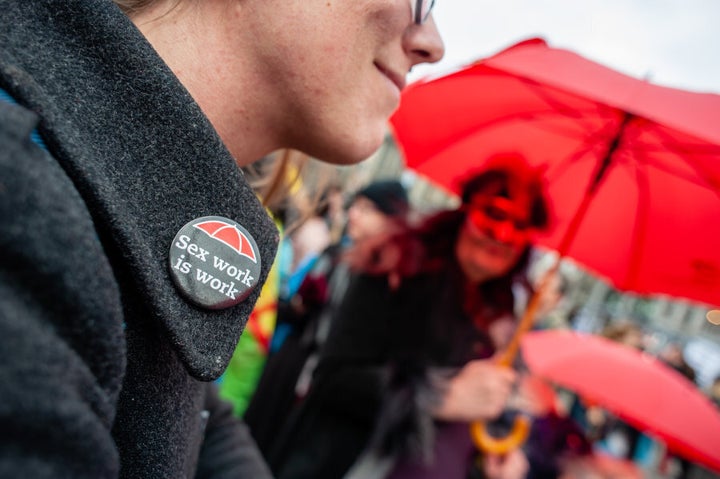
<point x="633" y="169"/>
<point x="633" y="385"/>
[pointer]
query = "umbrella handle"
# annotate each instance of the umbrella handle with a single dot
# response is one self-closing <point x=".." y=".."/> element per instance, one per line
<point x="521" y="427"/>
<point x="500" y="446"/>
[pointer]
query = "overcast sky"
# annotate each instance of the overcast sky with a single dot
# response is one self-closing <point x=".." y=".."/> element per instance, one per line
<point x="672" y="42"/>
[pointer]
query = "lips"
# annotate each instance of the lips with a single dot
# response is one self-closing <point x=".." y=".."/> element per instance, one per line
<point x="398" y="80"/>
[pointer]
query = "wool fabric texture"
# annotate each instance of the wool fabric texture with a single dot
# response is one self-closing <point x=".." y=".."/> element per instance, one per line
<point x="107" y="369"/>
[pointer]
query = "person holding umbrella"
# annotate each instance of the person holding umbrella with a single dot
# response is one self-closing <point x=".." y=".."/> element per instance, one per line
<point x="134" y="247"/>
<point x="408" y="361"/>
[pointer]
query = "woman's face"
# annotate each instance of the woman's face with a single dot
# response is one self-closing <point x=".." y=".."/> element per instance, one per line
<point x="335" y="68"/>
<point x="492" y="239"/>
<point x="364" y="220"/>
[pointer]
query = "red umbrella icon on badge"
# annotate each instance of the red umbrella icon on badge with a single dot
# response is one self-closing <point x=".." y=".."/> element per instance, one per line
<point x="229" y="234"/>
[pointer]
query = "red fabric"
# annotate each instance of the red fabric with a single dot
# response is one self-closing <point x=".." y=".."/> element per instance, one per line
<point x="253" y="325"/>
<point x="654" y="224"/>
<point x="635" y="386"/>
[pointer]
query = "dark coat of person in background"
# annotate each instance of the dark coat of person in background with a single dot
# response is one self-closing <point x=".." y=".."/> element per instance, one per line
<point x="377" y="208"/>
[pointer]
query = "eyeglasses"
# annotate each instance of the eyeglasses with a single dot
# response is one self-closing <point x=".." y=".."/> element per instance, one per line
<point x="422" y="9"/>
<point x="500" y="218"/>
<point x="497" y="212"/>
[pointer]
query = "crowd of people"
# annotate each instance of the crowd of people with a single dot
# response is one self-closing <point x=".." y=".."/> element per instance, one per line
<point x="161" y="319"/>
<point x="387" y="335"/>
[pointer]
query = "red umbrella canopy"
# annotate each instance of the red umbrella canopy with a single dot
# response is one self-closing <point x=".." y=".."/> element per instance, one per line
<point x="633" y="385"/>
<point x="653" y="223"/>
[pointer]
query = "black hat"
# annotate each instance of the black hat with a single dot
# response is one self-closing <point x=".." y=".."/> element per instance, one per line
<point x="389" y="196"/>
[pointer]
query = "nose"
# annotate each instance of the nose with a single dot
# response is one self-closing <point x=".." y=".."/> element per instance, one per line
<point x="423" y="43"/>
<point x="504" y="231"/>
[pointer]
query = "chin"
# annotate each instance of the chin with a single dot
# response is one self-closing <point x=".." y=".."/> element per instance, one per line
<point x="352" y="151"/>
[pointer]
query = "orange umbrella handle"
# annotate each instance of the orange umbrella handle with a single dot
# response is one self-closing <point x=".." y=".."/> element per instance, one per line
<point x="521" y="427"/>
<point x="500" y="446"/>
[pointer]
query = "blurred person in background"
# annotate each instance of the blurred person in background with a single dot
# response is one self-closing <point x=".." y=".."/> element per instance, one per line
<point x="609" y="434"/>
<point x="598" y="466"/>
<point x="335" y="216"/>
<point x="672" y="355"/>
<point x="378" y="208"/>
<point x="555" y="437"/>
<point x="308" y="237"/>
<point x="551" y="312"/>
<point x="408" y="361"/>
<point x="625" y="332"/>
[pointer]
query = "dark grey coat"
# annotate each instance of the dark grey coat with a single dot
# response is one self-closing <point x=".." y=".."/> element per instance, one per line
<point x="105" y="366"/>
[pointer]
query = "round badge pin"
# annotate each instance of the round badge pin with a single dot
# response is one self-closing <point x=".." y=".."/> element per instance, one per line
<point x="214" y="262"/>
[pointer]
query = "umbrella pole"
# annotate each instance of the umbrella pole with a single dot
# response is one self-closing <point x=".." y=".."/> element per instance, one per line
<point x="508" y="356"/>
<point x="521" y="427"/>
<point x="520" y="430"/>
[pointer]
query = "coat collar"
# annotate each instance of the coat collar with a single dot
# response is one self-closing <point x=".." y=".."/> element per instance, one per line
<point x="141" y="153"/>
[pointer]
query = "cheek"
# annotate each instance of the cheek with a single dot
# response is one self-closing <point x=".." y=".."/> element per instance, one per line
<point x="473" y="258"/>
<point x="353" y="226"/>
<point x="347" y="102"/>
<point x="374" y="224"/>
<point x="362" y="226"/>
<point x="493" y="259"/>
<point x="462" y="252"/>
<point x="514" y="257"/>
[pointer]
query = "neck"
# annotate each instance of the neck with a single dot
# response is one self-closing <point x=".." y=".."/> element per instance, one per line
<point x="192" y="39"/>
